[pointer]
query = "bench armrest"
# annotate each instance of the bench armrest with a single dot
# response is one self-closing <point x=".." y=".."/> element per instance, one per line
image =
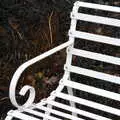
<point x="20" y="70"/>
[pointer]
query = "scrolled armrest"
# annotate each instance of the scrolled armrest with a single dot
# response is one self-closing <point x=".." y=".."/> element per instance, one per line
<point x="20" y="70"/>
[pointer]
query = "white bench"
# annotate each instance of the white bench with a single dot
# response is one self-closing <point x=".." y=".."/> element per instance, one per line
<point x="73" y="107"/>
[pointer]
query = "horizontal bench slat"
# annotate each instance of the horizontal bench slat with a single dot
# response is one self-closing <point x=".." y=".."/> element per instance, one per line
<point x="21" y="116"/>
<point x="96" y="56"/>
<point x="75" y="110"/>
<point x="96" y="19"/>
<point x="94" y="74"/>
<point x="89" y="103"/>
<point x="62" y="114"/>
<point x="93" y="90"/>
<point x="40" y="114"/>
<point x="95" y="37"/>
<point x="98" y="6"/>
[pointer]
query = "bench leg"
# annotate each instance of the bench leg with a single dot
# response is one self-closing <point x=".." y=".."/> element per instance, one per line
<point x="8" y="118"/>
<point x="48" y="113"/>
<point x="52" y="97"/>
<point x="72" y="104"/>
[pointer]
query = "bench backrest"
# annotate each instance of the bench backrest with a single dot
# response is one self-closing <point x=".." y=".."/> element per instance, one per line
<point x="96" y="89"/>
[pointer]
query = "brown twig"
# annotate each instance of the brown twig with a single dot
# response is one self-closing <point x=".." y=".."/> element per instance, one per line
<point x="50" y="27"/>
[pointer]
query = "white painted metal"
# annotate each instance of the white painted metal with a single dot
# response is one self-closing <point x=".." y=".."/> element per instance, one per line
<point x="8" y="118"/>
<point x="94" y="74"/>
<point x="22" y="116"/>
<point x="69" y="57"/>
<point x="68" y="61"/>
<point x="62" y="114"/>
<point x="41" y="114"/>
<point x="78" y="111"/>
<point x="93" y="90"/>
<point x="19" y="71"/>
<point x="95" y="37"/>
<point x="29" y="107"/>
<point x="96" y="56"/>
<point x="47" y="112"/>
<point x="89" y="103"/>
<point x="96" y="19"/>
<point x="52" y="97"/>
<point x="97" y="6"/>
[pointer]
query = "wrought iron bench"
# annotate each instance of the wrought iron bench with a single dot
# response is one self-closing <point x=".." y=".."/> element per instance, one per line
<point x="66" y="103"/>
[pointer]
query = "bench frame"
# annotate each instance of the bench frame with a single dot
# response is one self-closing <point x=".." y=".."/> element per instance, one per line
<point x="66" y="77"/>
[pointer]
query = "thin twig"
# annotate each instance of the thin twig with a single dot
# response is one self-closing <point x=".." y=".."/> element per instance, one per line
<point x="50" y="27"/>
<point x="47" y="38"/>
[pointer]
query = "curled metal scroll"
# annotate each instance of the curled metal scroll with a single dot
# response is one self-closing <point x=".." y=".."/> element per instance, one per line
<point x="23" y="91"/>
